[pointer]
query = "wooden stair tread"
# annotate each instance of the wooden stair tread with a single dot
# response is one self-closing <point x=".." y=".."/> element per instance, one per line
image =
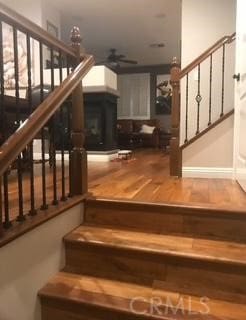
<point x="170" y="245"/>
<point x="116" y="295"/>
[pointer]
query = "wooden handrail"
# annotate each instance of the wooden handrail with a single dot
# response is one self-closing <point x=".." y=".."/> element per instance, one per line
<point x="206" y="54"/>
<point x="29" y="129"/>
<point x="23" y="24"/>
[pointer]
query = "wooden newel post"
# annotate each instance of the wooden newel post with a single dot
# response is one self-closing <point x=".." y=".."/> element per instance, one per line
<point x="1" y="208"/>
<point x="79" y="180"/>
<point x="175" y="151"/>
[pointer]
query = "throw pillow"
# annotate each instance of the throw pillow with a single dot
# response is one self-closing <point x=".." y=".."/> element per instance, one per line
<point x="147" y="129"/>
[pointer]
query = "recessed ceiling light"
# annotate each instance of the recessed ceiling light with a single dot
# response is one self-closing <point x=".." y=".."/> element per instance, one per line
<point x="157" y="45"/>
<point x="77" y="18"/>
<point x="160" y="15"/>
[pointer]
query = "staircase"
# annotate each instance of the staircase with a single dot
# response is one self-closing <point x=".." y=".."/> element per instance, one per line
<point x="147" y="261"/>
<point x="127" y="260"/>
<point x="202" y="97"/>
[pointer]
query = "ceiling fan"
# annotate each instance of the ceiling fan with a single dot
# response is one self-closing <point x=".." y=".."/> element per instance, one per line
<point x="113" y="60"/>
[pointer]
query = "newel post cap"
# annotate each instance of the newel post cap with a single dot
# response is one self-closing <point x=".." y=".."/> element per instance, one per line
<point x="75" y="37"/>
<point x="175" y="62"/>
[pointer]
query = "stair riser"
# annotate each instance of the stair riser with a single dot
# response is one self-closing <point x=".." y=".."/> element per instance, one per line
<point x="54" y="309"/>
<point x="194" y="225"/>
<point x="219" y="281"/>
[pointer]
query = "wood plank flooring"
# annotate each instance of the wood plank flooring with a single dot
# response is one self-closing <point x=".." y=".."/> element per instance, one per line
<point x="144" y="178"/>
<point x="178" y="254"/>
<point x="147" y="179"/>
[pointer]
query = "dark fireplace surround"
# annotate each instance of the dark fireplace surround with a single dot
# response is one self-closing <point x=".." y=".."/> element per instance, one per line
<point x="100" y="121"/>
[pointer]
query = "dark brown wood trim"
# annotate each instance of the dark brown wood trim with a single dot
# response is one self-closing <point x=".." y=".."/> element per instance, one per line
<point x="32" y="222"/>
<point x="221" y="119"/>
<point x="153" y="69"/>
<point x="207" y="53"/>
<point x="1" y="208"/>
<point x="79" y="171"/>
<point x="25" y="134"/>
<point x="23" y="24"/>
<point x="175" y="153"/>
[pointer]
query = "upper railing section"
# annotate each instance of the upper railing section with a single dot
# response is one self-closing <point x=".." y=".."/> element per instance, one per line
<point x="206" y="54"/>
<point x="42" y="132"/>
<point x="40" y="116"/>
<point x="204" y="89"/>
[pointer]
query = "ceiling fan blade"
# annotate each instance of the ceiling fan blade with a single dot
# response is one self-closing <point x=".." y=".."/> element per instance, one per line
<point x="128" y="61"/>
<point x="120" y="56"/>
<point x="102" y="62"/>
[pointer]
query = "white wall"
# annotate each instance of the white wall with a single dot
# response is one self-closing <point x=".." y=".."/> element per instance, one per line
<point x="28" y="8"/>
<point x="28" y="262"/>
<point x="211" y="156"/>
<point x="203" y="23"/>
<point x="51" y="14"/>
<point x="38" y="11"/>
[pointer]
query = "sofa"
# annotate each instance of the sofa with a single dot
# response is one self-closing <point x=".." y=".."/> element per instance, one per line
<point x="138" y="133"/>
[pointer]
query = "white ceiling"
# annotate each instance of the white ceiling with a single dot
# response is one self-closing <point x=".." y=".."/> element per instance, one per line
<point x="128" y="25"/>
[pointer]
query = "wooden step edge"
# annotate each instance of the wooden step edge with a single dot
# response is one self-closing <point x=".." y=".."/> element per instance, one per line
<point x="171" y="208"/>
<point x="162" y="253"/>
<point x="119" y="304"/>
<point x="89" y="300"/>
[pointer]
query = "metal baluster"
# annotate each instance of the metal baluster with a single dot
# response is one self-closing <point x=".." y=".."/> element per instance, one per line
<point x="69" y="133"/>
<point x="210" y="90"/>
<point x="2" y="85"/>
<point x="7" y="222"/>
<point x="69" y="139"/>
<point x="67" y="62"/>
<point x="20" y="161"/>
<point x="198" y="99"/>
<point x="223" y="82"/>
<point x="1" y="208"/>
<point x="53" y="142"/>
<point x="62" y="126"/>
<point x="186" y="108"/>
<point x="44" y="205"/>
<point x="32" y="211"/>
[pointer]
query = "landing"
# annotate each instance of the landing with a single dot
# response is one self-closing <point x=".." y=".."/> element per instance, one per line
<point x="146" y="178"/>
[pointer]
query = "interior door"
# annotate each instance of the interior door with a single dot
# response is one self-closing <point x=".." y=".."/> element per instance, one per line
<point x="240" y="97"/>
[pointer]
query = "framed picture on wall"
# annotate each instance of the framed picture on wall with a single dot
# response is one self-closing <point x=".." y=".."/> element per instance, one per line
<point x="53" y="30"/>
<point x="163" y="100"/>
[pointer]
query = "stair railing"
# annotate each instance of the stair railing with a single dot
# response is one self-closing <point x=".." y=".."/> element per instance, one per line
<point x="191" y="118"/>
<point x="52" y="110"/>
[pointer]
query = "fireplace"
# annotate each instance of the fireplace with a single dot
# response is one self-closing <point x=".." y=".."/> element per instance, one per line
<point x="100" y="121"/>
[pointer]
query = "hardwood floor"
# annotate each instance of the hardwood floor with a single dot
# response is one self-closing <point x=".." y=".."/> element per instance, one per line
<point x="147" y="179"/>
<point x="185" y="245"/>
<point x="144" y="178"/>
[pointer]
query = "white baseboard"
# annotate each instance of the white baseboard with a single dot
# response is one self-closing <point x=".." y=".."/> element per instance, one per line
<point x="207" y="172"/>
<point x="102" y="157"/>
<point x="97" y="157"/>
